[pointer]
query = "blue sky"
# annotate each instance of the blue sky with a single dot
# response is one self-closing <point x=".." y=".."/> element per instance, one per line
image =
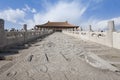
<point x="78" y="12"/>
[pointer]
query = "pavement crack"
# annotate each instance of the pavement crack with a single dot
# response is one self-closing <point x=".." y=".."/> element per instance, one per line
<point x="12" y="74"/>
<point x="64" y="57"/>
<point x="47" y="57"/>
<point x="50" y="78"/>
<point x="5" y="67"/>
<point x="66" y="76"/>
<point x="30" y="58"/>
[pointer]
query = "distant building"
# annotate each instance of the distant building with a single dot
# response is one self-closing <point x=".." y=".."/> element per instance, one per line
<point x="56" y="26"/>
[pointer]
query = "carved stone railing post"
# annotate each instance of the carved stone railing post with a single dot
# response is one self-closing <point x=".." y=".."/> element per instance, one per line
<point x="2" y="34"/>
<point x="25" y="27"/>
<point x="25" y="33"/>
<point x="111" y="29"/>
<point x="90" y="28"/>
<point x="111" y="26"/>
<point x="89" y="32"/>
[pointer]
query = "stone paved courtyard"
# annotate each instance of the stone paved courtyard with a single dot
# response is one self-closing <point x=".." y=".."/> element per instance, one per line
<point x="55" y="58"/>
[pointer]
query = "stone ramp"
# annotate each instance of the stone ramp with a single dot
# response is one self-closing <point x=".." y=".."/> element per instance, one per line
<point x="108" y="55"/>
<point x="55" y="58"/>
<point x="98" y="62"/>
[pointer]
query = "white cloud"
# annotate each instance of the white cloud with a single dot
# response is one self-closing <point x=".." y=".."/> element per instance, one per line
<point x="18" y="16"/>
<point x="33" y="10"/>
<point x="12" y="15"/>
<point x="27" y="8"/>
<point x="61" y="11"/>
<point x="102" y="24"/>
<point x="30" y="23"/>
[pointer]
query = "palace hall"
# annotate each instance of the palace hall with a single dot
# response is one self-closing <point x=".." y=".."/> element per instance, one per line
<point x="57" y="26"/>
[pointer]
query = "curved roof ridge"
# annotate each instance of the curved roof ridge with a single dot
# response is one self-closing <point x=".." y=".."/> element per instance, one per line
<point x="59" y="24"/>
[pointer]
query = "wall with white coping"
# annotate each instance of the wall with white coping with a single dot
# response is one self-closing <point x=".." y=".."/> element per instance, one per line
<point x="116" y="40"/>
<point x="98" y="37"/>
<point x="9" y="38"/>
<point x="109" y="38"/>
<point x="23" y="37"/>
